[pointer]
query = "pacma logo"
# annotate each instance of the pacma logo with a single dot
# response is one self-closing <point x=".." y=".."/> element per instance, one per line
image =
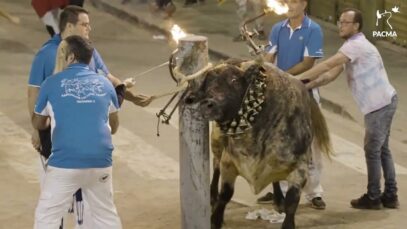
<point x="386" y="14"/>
<point x="82" y="88"/>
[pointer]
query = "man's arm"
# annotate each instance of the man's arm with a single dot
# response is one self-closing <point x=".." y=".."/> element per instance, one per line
<point x="39" y="122"/>
<point x="32" y="94"/>
<point x="139" y="100"/>
<point x="303" y="66"/>
<point x="334" y="61"/>
<point x="114" y="122"/>
<point x="325" y="78"/>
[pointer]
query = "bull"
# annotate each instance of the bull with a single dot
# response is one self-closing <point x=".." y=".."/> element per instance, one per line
<point x="265" y="123"/>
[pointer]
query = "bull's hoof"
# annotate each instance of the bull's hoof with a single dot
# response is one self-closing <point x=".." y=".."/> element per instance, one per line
<point x="288" y="225"/>
<point x="213" y="226"/>
<point x="216" y="222"/>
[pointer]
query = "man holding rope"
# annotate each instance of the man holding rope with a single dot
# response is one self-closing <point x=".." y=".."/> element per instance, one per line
<point x="74" y="20"/>
<point x="82" y="107"/>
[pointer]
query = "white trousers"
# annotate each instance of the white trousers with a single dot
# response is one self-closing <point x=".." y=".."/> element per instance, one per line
<point x="313" y="187"/>
<point x="56" y="197"/>
<point x="86" y="220"/>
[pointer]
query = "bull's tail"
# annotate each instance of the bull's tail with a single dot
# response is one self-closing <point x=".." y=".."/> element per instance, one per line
<point x="320" y="129"/>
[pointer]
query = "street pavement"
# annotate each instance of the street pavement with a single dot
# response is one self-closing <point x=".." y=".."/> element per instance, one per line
<point x="146" y="167"/>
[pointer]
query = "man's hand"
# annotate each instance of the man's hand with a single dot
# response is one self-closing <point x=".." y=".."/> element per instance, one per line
<point x="35" y="140"/>
<point x="142" y="100"/>
<point x="129" y="83"/>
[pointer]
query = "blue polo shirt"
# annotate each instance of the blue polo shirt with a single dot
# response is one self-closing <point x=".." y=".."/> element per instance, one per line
<point x="292" y="45"/>
<point x="78" y="102"/>
<point x="44" y="62"/>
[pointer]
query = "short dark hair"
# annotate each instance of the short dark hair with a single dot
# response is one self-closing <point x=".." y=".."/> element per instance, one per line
<point x="358" y="16"/>
<point x="70" y="15"/>
<point x="81" y="48"/>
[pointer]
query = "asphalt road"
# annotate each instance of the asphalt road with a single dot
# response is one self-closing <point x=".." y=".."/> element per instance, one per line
<point x="146" y="167"/>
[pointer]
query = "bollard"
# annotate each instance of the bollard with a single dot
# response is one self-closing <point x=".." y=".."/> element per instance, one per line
<point x="194" y="141"/>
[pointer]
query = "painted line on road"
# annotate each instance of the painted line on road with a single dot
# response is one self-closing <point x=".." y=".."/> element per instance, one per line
<point x="346" y="152"/>
<point x="142" y="158"/>
<point x="20" y="155"/>
<point x="353" y="156"/>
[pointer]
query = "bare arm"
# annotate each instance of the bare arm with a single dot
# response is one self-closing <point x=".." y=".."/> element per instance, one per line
<point x="32" y="94"/>
<point x="39" y="122"/>
<point x="139" y="100"/>
<point x="114" y="122"/>
<point x="303" y="66"/>
<point x="325" y="78"/>
<point x="334" y="61"/>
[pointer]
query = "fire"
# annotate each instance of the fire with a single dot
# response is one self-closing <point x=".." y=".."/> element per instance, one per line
<point x="276" y="6"/>
<point x="177" y="33"/>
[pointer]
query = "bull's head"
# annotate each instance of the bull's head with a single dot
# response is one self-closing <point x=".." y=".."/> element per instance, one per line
<point x="221" y="93"/>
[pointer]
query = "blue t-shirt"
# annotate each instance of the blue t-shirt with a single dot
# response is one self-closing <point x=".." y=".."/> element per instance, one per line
<point x="79" y="102"/>
<point x="44" y="62"/>
<point x="292" y="45"/>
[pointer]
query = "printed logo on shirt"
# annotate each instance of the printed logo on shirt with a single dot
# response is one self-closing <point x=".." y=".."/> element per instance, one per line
<point x="83" y="89"/>
<point x="386" y="15"/>
<point x="104" y="178"/>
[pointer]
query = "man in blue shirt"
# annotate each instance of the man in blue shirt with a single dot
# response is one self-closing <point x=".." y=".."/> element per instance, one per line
<point x="74" y="20"/>
<point x="83" y="111"/>
<point x="295" y="44"/>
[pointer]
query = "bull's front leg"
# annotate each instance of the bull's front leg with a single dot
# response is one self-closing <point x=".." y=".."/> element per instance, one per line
<point x="215" y="182"/>
<point x="218" y="142"/>
<point x="278" y="197"/>
<point x="296" y="180"/>
<point x="228" y="175"/>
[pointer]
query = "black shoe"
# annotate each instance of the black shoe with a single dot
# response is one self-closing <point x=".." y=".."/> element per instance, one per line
<point x="390" y="201"/>
<point x="266" y="199"/>
<point x="318" y="203"/>
<point x="364" y="202"/>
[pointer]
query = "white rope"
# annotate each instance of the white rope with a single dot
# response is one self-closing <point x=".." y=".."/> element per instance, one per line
<point x="183" y="80"/>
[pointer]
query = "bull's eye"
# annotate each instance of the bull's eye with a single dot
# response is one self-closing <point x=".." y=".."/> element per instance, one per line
<point x="233" y="80"/>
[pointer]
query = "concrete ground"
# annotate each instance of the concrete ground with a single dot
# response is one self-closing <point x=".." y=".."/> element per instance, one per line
<point x="146" y="167"/>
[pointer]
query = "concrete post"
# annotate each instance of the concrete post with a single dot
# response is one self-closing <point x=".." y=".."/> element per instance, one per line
<point x="194" y="142"/>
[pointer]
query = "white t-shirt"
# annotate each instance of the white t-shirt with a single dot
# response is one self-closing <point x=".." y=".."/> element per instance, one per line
<point x="366" y="75"/>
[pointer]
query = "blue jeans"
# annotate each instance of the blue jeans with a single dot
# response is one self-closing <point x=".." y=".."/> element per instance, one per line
<point x="377" y="152"/>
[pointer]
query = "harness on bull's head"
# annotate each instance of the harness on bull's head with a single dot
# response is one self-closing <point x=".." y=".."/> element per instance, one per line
<point x="252" y="103"/>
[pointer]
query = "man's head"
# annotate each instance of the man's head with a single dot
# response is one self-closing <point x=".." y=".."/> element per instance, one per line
<point x="78" y="50"/>
<point x="350" y="23"/>
<point x="74" y="20"/>
<point x="296" y="8"/>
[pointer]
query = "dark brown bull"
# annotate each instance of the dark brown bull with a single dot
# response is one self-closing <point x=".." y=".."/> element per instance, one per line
<point x="265" y="123"/>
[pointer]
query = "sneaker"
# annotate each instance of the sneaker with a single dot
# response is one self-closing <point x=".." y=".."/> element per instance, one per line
<point x="390" y="202"/>
<point x="318" y="203"/>
<point x="266" y="199"/>
<point x="364" y="202"/>
<point x="261" y="36"/>
<point x="238" y="38"/>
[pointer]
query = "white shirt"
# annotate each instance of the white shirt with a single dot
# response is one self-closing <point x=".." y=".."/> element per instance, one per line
<point x="366" y="75"/>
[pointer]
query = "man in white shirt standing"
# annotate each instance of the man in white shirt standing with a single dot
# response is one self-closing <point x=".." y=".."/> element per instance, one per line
<point x="375" y="97"/>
